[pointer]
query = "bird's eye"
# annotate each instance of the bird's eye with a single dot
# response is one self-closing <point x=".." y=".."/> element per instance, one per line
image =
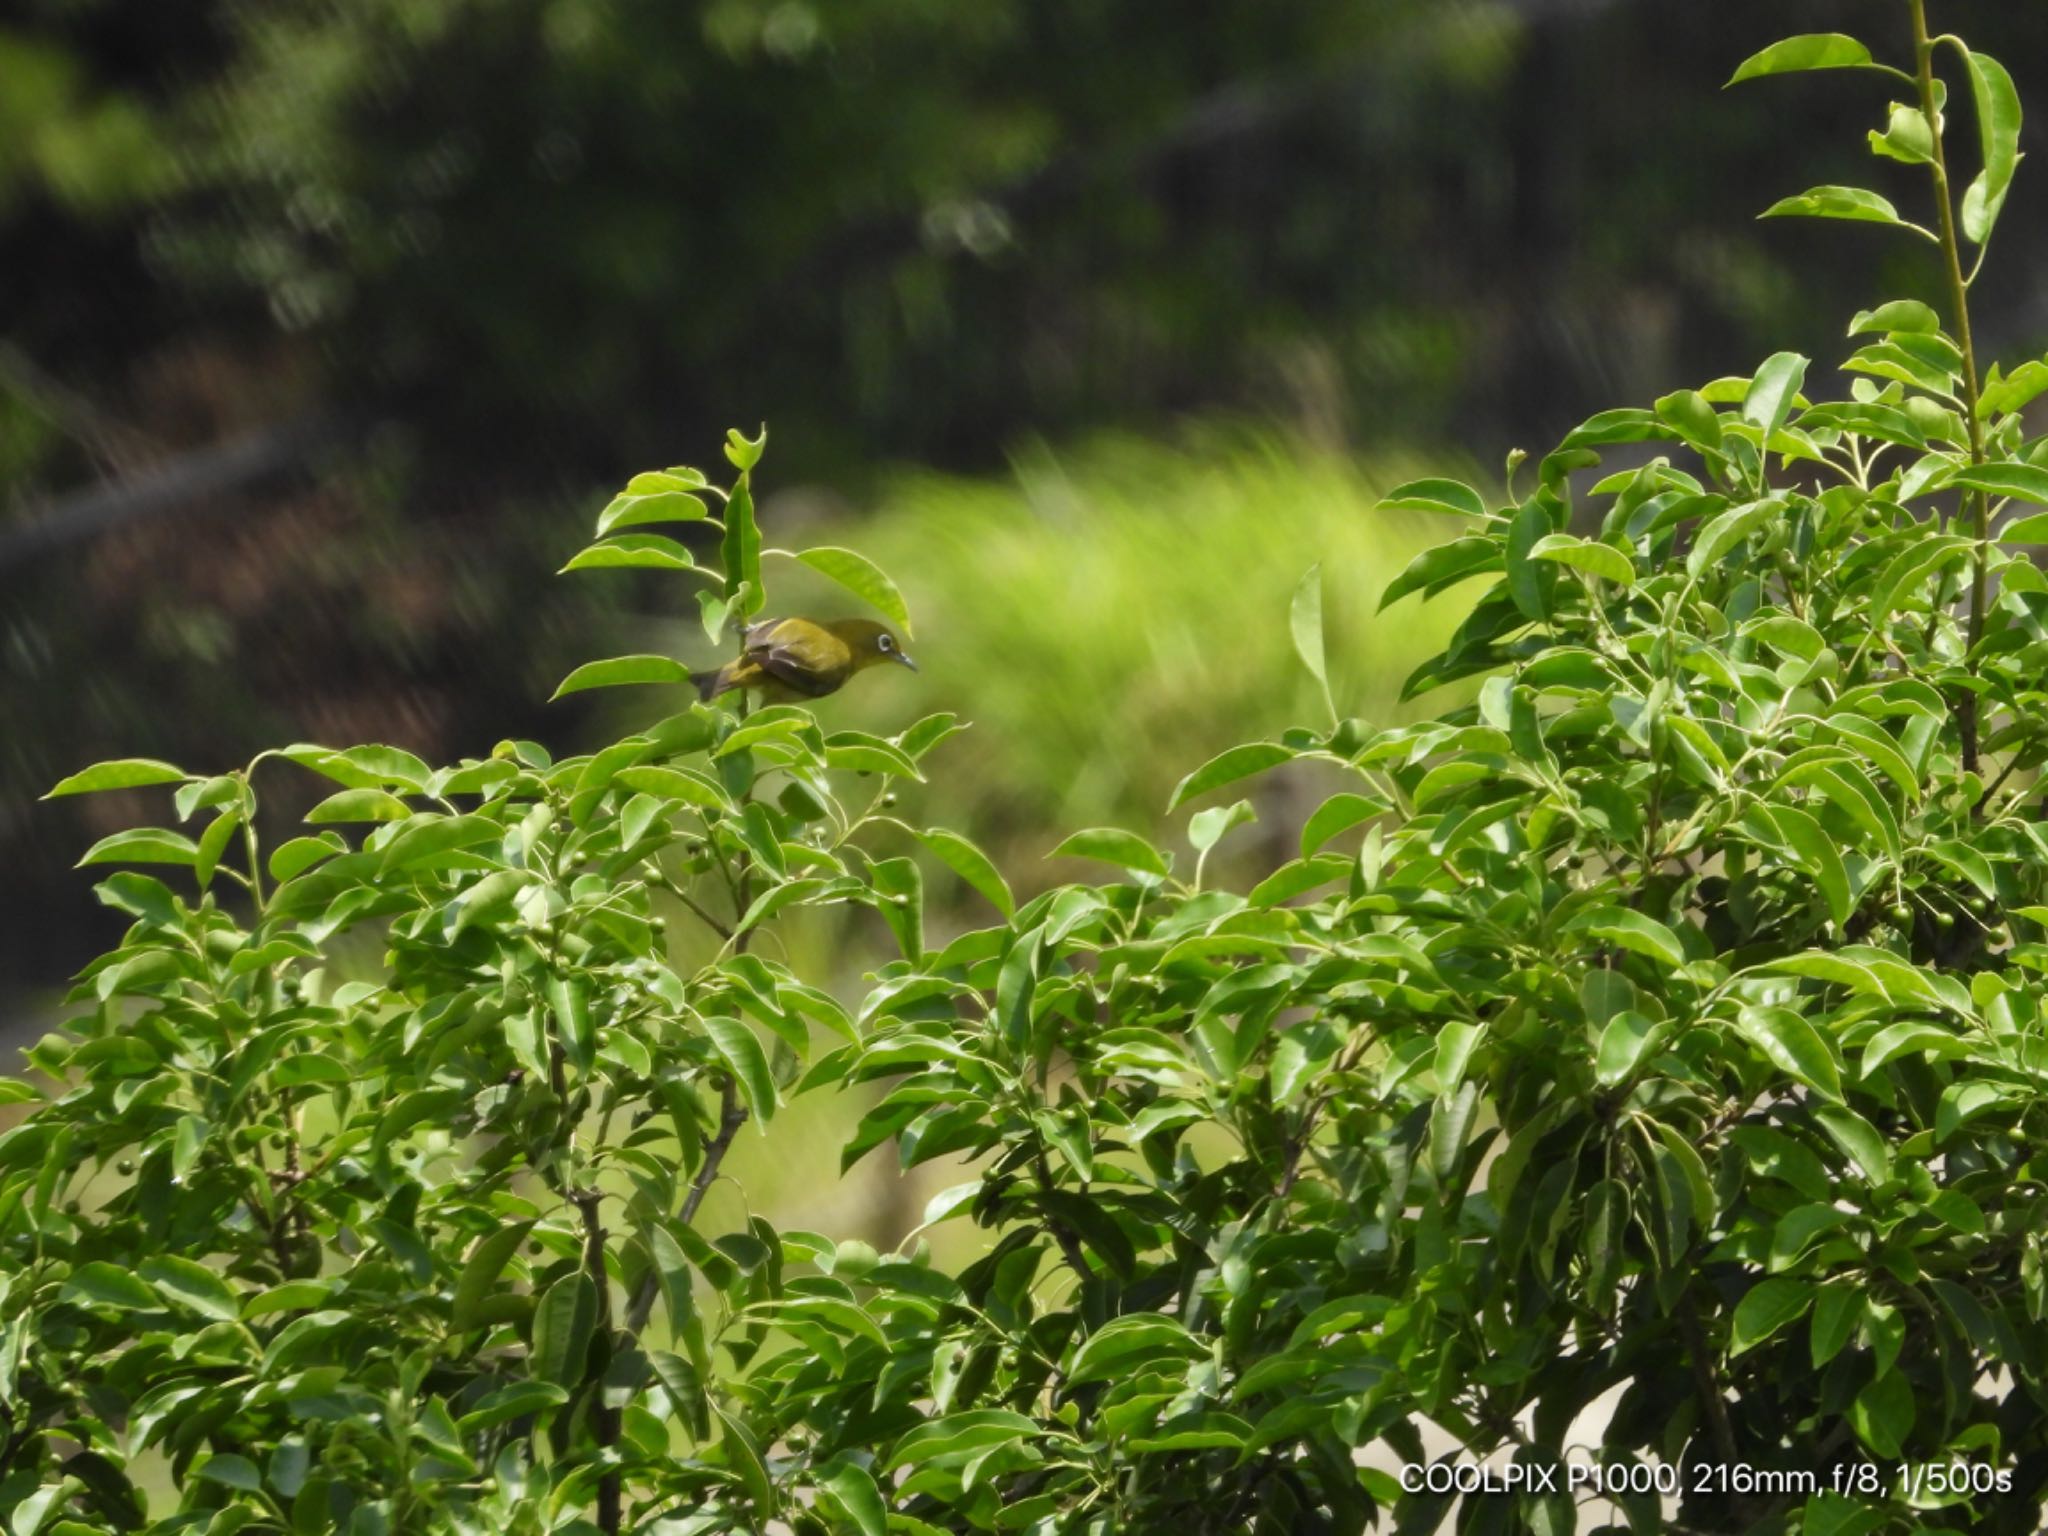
<point x="885" y="643"/>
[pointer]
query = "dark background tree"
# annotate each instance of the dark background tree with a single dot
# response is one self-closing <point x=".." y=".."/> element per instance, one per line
<point x="294" y="287"/>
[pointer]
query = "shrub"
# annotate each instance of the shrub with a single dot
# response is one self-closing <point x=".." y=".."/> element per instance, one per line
<point x="1642" y="1057"/>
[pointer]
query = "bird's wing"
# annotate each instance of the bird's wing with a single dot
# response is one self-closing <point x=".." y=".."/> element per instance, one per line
<point x="802" y="657"/>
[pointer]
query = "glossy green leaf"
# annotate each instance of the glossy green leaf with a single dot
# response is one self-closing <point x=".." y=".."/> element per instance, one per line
<point x="1228" y="767"/>
<point x="1452" y="497"/>
<point x="1997" y="103"/>
<point x="860" y="576"/>
<point x="633" y="551"/>
<point x="1766" y="1307"/>
<point x="1305" y="624"/>
<point x="741" y="1050"/>
<point x="1631" y="930"/>
<point x="118" y="773"/>
<point x="1794" y="1047"/>
<point x="1809" y="50"/>
<point x="1857" y="204"/>
<point x="971" y="865"/>
<point x="852" y="1490"/>
<point x="620" y="670"/>
<point x="563" y="1321"/>
<point x="1112" y="845"/>
<point x="143" y="845"/>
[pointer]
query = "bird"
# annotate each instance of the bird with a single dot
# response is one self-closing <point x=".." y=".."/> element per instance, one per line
<point x="802" y="658"/>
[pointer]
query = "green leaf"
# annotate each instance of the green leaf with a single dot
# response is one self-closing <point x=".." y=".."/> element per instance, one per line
<point x="743" y="451"/>
<point x="852" y="1490"/>
<point x="1443" y="566"/>
<point x="742" y="1051"/>
<point x="1836" y="1309"/>
<point x="1693" y="415"/>
<point x="1529" y="585"/>
<point x="1228" y="767"/>
<point x="487" y="1259"/>
<point x="1623" y="1044"/>
<point x="1337" y="814"/>
<point x="860" y="576"/>
<point x="1801" y="840"/>
<point x="1809" y="50"/>
<point x="1450" y="1126"/>
<point x="1195" y="1431"/>
<point x="1906" y="136"/>
<point x="674" y="784"/>
<point x="1112" y="845"/>
<point x="1882" y="1414"/>
<point x="860" y="752"/>
<point x="1847" y="788"/>
<point x="971" y="865"/>
<point x="100" y="1284"/>
<point x="2024" y="482"/>
<point x="234" y="1471"/>
<point x="367" y="767"/>
<point x="1631" y="930"/>
<point x="511" y="1402"/>
<point x="1853" y="203"/>
<point x="1766" y="1307"/>
<point x="191" y="1285"/>
<point x="1305" y="623"/>
<point x="2018" y="387"/>
<point x="1898" y="315"/>
<point x="1998" y="126"/>
<point x="142" y="845"/>
<point x="563" y="1322"/>
<point x="292" y="1296"/>
<point x="213" y="843"/>
<point x="1772" y="391"/>
<point x="664" y="499"/>
<point x="1446" y="496"/>
<point x="1794" y="1047"/>
<point x="1794" y="1232"/>
<point x="358" y="805"/>
<point x="960" y="1433"/>
<point x="1116" y="1348"/>
<point x="623" y="669"/>
<point x="632" y="551"/>
<point x="741" y="551"/>
<point x="1206" y="828"/>
<point x="118" y="773"/>
<point x="1602" y="560"/>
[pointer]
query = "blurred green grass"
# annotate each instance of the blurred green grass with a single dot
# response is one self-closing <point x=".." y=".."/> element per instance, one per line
<point x="1109" y="617"/>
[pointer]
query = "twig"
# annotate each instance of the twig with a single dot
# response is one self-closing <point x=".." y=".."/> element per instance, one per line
<point x="732" y="1114"/>
<point x="1976" y="502"/>
<point x="608" y="1420"/>
<point x="722" y="929"/>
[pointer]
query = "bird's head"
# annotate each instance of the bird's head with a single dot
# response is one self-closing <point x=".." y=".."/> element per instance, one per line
<point x="870" y="643"/>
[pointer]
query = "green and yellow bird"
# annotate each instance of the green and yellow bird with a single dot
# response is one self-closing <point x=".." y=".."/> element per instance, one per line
<point x="787" y="659"/>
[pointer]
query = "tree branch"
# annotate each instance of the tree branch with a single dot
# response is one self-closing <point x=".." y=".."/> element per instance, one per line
<point x="732" y="1114"/>
<point x="1977" y="503"/>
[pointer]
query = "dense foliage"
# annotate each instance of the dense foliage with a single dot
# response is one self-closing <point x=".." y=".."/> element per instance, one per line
<point x="1635" y="1069"/>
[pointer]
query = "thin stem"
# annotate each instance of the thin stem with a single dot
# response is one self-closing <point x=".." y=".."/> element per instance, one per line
<point x="1975" y="503"/>
<point x="609" y="1420"/>
<point x="723" y="930"/>
<point x="732" y="1114"/>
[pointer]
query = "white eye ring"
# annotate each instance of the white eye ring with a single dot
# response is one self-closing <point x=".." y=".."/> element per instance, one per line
<point x="885" y="643"/>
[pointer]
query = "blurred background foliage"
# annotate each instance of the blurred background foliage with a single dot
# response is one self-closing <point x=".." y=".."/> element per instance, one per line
<point x="327" y="323"/>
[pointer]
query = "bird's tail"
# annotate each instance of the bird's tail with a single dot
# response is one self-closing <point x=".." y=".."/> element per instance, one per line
<point x="711" y="684"/>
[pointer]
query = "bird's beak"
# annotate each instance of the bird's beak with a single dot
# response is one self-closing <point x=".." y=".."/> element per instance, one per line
<point x="904" y="657"/>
